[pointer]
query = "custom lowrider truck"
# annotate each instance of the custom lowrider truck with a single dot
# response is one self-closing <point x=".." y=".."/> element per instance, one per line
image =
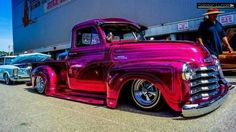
<point x="110" y="55"/>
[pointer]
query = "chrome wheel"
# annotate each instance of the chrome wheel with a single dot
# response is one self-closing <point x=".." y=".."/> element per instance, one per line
<point x="145" y="94"/>
<point x="40" y="84"/>
<point x="7" y="79"/>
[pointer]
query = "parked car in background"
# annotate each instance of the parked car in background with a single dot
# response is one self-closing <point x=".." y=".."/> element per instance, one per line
<point x="19" y="68"/>
<point x="228" y="60"/>
<point x="5" y="60"/>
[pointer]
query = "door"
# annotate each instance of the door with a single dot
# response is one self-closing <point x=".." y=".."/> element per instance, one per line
<point x="86" y="61"/>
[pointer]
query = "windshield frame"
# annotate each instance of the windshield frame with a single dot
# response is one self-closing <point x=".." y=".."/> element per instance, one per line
<point x="137" y="33"/>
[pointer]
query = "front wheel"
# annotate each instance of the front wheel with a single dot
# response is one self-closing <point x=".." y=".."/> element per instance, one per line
<point x="145" y="95"/>
<point x="7" y="79"/>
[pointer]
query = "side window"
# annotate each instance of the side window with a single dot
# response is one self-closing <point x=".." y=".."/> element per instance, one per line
<point x="87" y="36"/>
<point x="1" y="61"/>
<point x="128" y="36"/>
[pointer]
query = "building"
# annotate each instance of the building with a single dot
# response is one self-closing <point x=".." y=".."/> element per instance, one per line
<point x="186" y="29"/>
<point x="45" y="25"/>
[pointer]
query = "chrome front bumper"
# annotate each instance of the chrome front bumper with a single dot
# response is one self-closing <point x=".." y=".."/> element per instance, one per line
<point x="19" y="79"/>
<point x="193" y="110"/>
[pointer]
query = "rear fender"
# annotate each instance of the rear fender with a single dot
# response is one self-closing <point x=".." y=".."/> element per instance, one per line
<point x="51" y="78"/>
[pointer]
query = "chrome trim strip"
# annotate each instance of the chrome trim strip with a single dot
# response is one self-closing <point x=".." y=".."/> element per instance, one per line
<point x="204" y="88"/>
<point x="203" y="81"/>
<point x="204" y="68"/>
<point x="204" y="95"/>
<point x="193" y="110"/>
<point x="200" y="75"/>
<point x="19" y="79"/>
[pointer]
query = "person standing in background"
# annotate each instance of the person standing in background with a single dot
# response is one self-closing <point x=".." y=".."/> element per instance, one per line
<point x="211" y="34"/>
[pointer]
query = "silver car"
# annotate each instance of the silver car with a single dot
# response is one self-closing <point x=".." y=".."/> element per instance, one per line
<point x="19" y="69"/>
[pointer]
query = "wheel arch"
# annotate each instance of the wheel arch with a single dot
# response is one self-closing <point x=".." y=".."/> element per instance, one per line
<point x="51" y="78"/>
<point x="10" y="81"/>
<point x="117" y="84"/>
<point x="5" y="73"/>
<point x="169" y="84"/>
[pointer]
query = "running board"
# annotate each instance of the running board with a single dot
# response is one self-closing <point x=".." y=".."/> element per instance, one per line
<point x="82" y="97"/>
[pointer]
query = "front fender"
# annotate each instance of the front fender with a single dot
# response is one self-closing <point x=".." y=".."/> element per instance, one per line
<point x="166" y="77"/>
<point x="6" y="72"/>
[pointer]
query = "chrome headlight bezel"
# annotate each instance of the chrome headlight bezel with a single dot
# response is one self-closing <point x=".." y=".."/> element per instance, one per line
<point x="187" y="72"/>
<point x="28" y="69"/>
<point x="217" y="63"/>
<point x="213" y="56"/>
<point x="15" y="72"/>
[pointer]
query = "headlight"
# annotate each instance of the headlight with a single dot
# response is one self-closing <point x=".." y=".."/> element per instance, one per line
<point x="187" y="72"/>
<point x="28" y="69"/>
<point x="15" y="72"/>
<point x="213" y="56"/>
<point x="217" y="63"/>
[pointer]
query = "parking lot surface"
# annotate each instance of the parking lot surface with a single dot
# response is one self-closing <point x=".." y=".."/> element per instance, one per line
<point x="22" y="109"/>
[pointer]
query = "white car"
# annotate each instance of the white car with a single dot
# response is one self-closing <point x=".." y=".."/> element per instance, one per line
<point x="19" y="69"/>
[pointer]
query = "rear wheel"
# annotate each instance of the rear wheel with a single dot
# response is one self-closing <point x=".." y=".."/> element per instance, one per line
<point x="40" y="83"/>
<point x="7" y="79"/>
<point x="145" y="95"/>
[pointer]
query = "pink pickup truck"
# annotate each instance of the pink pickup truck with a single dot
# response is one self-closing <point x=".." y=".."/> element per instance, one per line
<point x="110" y="55"/>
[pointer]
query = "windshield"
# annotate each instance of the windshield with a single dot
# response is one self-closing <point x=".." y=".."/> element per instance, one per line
<point x="29" y="59"/>
<point x="9" y="60"/>
<point x="119" y="32"/>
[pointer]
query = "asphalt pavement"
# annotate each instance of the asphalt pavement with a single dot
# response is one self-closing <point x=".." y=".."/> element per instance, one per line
<point x="23" y="110"/>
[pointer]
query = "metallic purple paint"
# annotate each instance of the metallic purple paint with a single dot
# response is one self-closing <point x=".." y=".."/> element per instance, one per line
<point x="96" y="74"/>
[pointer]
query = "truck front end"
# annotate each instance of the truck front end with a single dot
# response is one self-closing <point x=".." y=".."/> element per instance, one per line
<point x="188" y="77"/>
<point x="207" y="87"/>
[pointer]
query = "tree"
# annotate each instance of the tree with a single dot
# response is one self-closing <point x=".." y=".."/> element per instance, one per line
<point x="3" y="53"/>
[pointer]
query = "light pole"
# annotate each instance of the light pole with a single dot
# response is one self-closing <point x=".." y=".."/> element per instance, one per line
<point x="9" y="49"/>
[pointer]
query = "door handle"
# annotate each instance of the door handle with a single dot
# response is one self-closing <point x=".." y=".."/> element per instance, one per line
<point x="76" y="66"/>
<point x="120" y="58"/>
<point x="73" y="54"/>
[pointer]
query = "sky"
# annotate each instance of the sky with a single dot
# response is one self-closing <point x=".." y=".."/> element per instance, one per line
<point x="5" y="25"/>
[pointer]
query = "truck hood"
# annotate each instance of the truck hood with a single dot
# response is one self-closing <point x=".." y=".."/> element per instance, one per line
<point x="160" y="50"/>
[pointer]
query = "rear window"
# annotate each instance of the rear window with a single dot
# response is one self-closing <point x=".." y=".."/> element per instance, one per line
<point x="87" y="37"/>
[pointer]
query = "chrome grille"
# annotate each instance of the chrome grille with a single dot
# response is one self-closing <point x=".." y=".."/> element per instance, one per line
<point x="204" y="82"/>
<point x="29" y="71"/>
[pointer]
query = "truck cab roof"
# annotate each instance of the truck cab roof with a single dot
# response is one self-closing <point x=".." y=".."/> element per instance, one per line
<point x="99" y="21"/>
